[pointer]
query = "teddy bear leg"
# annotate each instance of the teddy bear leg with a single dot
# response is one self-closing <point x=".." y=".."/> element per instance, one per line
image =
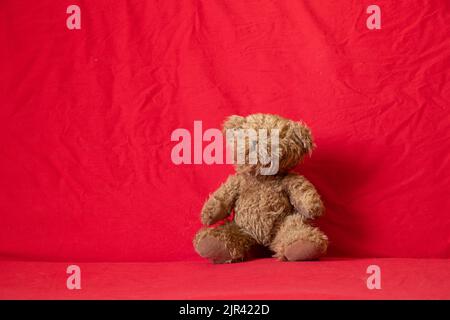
<point x="297" y="241"/>
<point x="222" y="244"/>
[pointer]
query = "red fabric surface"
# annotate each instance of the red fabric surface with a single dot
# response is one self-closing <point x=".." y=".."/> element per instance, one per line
<point x="86" y="117"/>
<point x="262" y="279"/>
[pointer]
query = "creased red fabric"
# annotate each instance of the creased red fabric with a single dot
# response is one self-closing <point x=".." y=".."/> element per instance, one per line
<point x="86" y="118"/>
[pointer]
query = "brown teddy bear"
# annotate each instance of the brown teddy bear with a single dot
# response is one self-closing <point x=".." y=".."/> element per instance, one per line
<point x="270" y="211"/>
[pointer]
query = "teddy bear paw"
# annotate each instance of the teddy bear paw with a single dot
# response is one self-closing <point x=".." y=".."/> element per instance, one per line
<point x="302" y="250"/>
<point x="213" y="249"/>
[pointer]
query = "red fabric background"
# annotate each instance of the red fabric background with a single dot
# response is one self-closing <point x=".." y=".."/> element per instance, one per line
<point x="86" y="117"/>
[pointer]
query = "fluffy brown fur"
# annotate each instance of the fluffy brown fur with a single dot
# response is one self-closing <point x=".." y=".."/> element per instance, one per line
<point x="270" y="211"/>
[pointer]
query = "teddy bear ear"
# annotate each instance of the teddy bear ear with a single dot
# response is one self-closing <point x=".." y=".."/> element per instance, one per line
<point x="233" y="122"/>
<point x="303" y="136"/>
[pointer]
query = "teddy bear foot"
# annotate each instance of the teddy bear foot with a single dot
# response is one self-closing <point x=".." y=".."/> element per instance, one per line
<point x="302" y="250"/>
<point x="213" y="249"/>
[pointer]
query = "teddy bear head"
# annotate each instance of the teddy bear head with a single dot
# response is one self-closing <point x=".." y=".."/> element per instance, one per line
<point x="282" y="143"/>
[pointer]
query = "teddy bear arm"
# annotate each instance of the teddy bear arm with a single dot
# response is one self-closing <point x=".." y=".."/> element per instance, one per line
<point x="220" y="204"/>
<point x="304" y="197"/>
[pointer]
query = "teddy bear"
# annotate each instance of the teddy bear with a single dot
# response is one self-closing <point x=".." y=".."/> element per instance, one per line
<point x="272" y="212"/>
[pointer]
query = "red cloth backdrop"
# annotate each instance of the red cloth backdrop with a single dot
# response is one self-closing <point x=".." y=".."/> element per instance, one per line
<point x="86" y="117"/>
